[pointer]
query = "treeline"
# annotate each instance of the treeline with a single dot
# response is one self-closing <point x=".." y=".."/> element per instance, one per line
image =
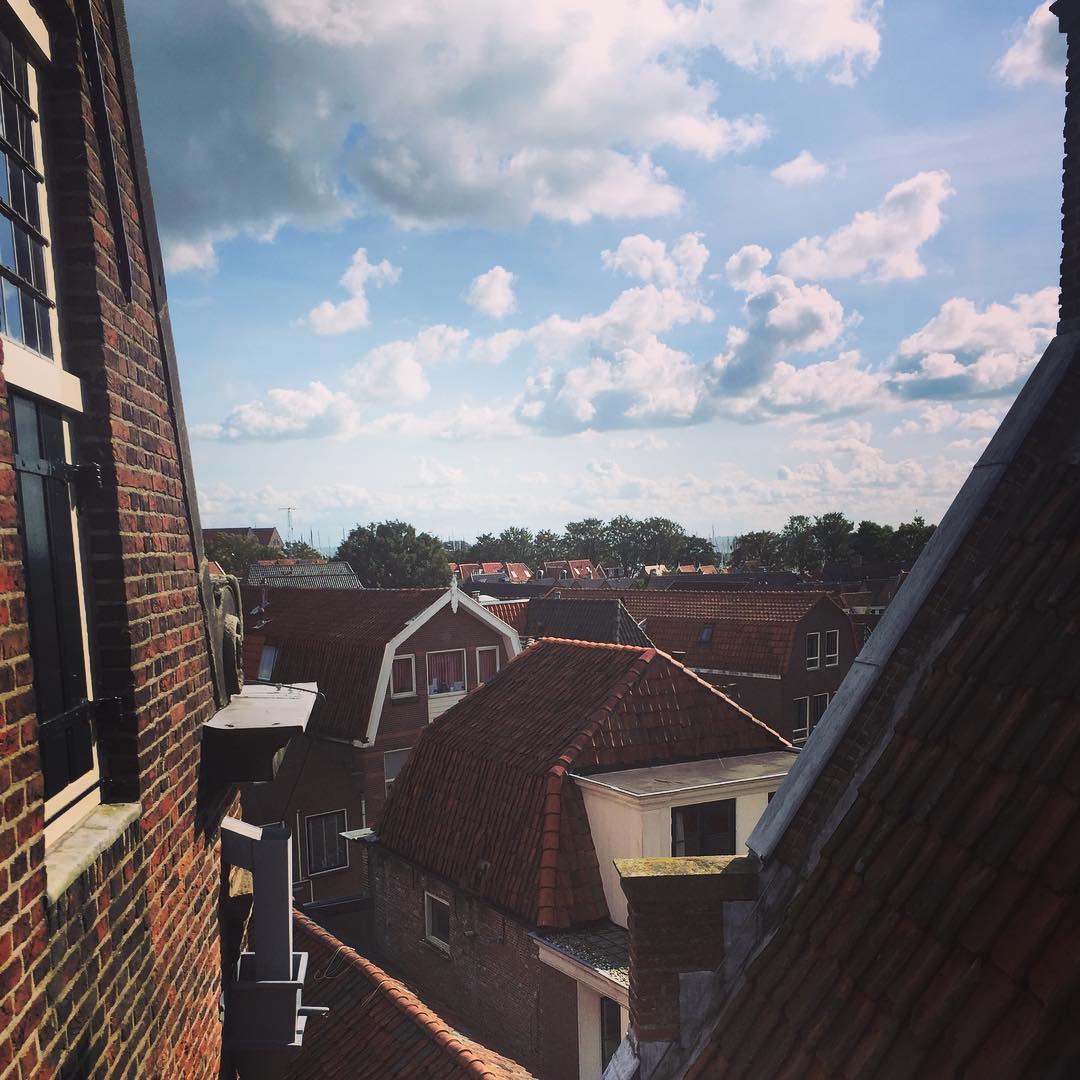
<point x="807" y="544"/>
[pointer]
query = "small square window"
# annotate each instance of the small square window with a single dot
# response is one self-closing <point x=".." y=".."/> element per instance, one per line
<point x="403" y="677"/>
<point x="446" y="672"/>
<point x="706" y="634"/>
<point x="326" y="849"/>
<point x="703" y="829"/>
<point x="437" y="922"/>
<point x="832" y="648"/>
<point x="813" y="651"/>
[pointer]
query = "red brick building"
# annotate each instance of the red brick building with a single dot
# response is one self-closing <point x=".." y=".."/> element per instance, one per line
<point x="781" y="655"/>
<point x="111" y="955"/>
<point x="493" y="874"/>
<point x="387" y="662"/>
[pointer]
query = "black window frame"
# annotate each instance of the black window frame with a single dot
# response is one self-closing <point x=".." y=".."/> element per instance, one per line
<point x="342" y="848"/>
<point x="707" y="816"/>
<point x="611" y="1034"/>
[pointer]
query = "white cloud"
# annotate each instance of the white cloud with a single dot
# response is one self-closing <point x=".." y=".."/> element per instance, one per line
<point x="883" y="243"/>
<point x="968" y="445"/>
<point x="311" y="413"/>
<point x="182" y="256"/>
<point x="781" y="318"/>
<point x="395" y="371"/>
<point x="642" y="257"/>
<point x="464" y="422"/>
<point x="352" y="314"/>
<point x="804" y="168"/>
<point x="1037" y="53"/>
<point x="495" y="348"/>
<point x="483" y="111"/>
<point x="935" y="418"/>
<point x="432" y="473"/>
<point x="493" y="293"/>
<point x="963" y="352"/>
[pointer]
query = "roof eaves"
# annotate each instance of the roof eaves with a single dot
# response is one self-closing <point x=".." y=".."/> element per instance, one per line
<point x="909" y="600"/>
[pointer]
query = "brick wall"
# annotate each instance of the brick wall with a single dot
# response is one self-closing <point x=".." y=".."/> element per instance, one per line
<point x="121" y="975"/>
<point x="492" y="980"/>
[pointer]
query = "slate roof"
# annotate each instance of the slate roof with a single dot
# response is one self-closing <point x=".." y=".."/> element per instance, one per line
<point x="378" y="1028"/>
<point x="604" y="947"/>
<point x="929" y="835"/>
<point x="300" y="574"/>
<point x="485" y="800"/>
<point x="588" y="620"/>
<point x="334" y="637"/>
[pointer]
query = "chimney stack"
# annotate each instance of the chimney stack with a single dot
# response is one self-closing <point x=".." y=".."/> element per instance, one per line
<point x="1068" y="14"/>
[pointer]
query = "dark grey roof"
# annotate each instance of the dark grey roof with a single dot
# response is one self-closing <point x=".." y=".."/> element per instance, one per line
<point x="604" y="947"/>
<point x="331" y="575"/>
<point x="601" y="620"/>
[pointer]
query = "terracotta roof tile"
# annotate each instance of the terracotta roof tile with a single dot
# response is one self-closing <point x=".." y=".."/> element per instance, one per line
<point x="485" y="801"/>
<point x="377" y="1027"/>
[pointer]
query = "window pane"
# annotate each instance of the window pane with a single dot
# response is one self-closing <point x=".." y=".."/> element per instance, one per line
<point x="266" y="661"/>
<point x="7" y="243"/>
<point x="393" y="762"/>
<point x="33" y="209"/>
<point x="446" y="672"/>
<point x="21" y="80"/>
<point x="26" y="136"/>
<point x="37" y="263"/>
<point x="326" y="846"/>
<point x="610" y="1030"/>
<point x="487" y="663"/>
<point x="438" y="919"/>
<point x="5" y="187"/>
<point x="29" y="315"/>
<point x="401" y="681"/>
<point x="7" y="68"/>
<point x="11" y="118"/>
<point x="800" y="723"/>
<point x="17" y="187"/>
<point x="13" y="310"/>
<point x="44" y="329"/>
<point x="22" y="254"/>
<point x="705" y="829"/>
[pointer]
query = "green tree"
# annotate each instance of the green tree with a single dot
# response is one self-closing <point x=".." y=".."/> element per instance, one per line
<point x="393" y="555"/>
<point x="516" y="545"/>
<point x="300" y="549"/>
<point x="623" y="538"/>
<point x="873" y="542"/>
<point x="833" y="536"/>
<point x="761" y="547"/>
<point x="798" y="545"/>
<point x="696" y="550"/>
<point x="910" y="538"/>
<point x="485" y="548"/>
<point x="236" y="552"/>
<point x="661" y="539"/>
<point x="586" y="539"/>
<point x="547" y="547"/>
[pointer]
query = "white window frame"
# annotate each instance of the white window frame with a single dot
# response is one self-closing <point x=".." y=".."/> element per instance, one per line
<point x="813" y="662"/>
<point x="404" y="693"/>
<point x="464" y="672"/>
<point x="386" y="754"/>
<point x="498" y="659"/>
<point x="308" y="818"/>
<point x="832" y="654"/>
<point x="796" y="738"/>
<point x="429" y="936"/>
<point x="266" y="673"/>
<point x="813" y="700"/>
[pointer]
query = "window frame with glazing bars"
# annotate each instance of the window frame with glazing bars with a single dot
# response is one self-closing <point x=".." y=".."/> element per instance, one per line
<point x="342" y="845"/>
<point x="498" y="661"/>
<point x="400" y="695"/>
<point x="832" y="655"/>
<point x="802" y="706"/>
<point x="813" y="660"/>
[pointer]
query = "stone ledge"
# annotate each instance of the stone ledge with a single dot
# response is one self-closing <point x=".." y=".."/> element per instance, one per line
<point x="83" y="845"/>
<point x="683" y="880"/>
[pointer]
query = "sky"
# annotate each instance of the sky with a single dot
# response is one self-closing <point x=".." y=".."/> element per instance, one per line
<point x="479" y="263"/>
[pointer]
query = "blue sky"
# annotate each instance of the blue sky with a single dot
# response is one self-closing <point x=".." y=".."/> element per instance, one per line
<point x="475" y="264"/>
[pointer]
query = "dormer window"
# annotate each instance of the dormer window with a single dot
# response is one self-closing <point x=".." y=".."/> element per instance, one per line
<point x="706" y="634"/>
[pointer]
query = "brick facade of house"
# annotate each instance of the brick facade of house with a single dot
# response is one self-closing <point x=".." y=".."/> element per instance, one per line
<point x="119" y="974"/>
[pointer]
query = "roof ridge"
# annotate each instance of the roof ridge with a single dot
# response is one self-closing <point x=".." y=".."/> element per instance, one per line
<point x="591" y="644"/>
<point x="433" y="1025"/>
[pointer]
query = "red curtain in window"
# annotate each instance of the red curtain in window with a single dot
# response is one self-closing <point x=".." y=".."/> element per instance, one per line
<point x="446" y="672"/>
<point x="487" y="664"/>
<point x="402" y="681"/>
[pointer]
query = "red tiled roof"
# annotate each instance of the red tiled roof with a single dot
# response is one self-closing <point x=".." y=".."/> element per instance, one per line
<point x="736" y="646"/>
<point x="332" y="637"/>
<point x="467" y="569"/>
<point x="377" y="1027"/>
<point x="484" y="799"/>
<point x="518" y="571"/>
<point x="491" y="567"/>
<point x="930" y="920"/>
<point x="746" y="605"/>
<point x="514" y="612"/>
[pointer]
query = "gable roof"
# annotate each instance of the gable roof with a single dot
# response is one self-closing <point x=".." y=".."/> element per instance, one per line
<point x="518" y="571"/>
<point x="377" y="1027"/>
<point x="344" y="641"/>
<point x="485" y="801"/>
<point x="604" y="620"/>
<point x="302" y="574"/>
<point x="922" y="859"/>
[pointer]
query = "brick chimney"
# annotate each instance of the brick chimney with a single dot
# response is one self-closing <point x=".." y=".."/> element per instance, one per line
<point x="684" y="915"/>
<point x="1068" y="13"/>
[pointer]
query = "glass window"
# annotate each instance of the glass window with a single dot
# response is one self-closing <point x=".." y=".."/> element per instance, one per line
<point x="704" y="829"/>
<point x="403" y="676"/>
<point x="487" y="663"/>
<point x="832" y="648"/>
<point x="437" y="921"/>
<point x="326" y="849"/>
<point x="446" y="672"/>
<point x="706" y="634"/>
<point x="813" y="651"/>
<point x="393" y="762"/>
<point x="611" y="1032"/>
<point x="817" y="709"/>
<point x="267" y="659"/>
<point x="800" y="723"/>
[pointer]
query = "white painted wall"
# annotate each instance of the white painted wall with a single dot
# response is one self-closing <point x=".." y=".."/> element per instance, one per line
<point x="588" y="1027"/>
<point x="438" y="704"/>
<point x="624" y="829"/>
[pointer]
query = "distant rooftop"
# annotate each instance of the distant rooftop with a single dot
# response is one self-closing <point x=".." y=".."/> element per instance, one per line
<point x="303" y="574"/>
<point x="686" y="775"/>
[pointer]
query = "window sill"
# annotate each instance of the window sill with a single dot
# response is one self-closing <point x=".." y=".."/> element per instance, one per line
<point x="78" y="849"/>
<point x="396" y="699"/>
<point x="436" y="947"/>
